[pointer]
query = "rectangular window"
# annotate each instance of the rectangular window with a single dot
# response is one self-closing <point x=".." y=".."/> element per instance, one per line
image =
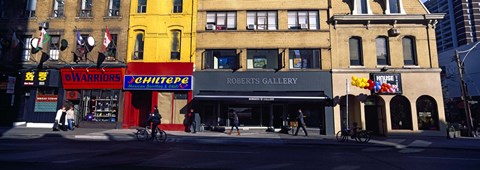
<point x="58" y="6"/>
<point x="80" y="53"/>
<point x="176" y="44"/>
<point x="409" y="53"/>
<point x="177" y="6"/>
<point x="54" y="47"/>
<point x="262" y="59"/>
<point x="262" y="20"/>
<point x="304" y="58"/>
<point x="114" y="8"/>
<point x="86" y="8"/>
<point x="112" y="48"/>
<point x="394" y="6"/>
<point x="221" y="21"/>
<point x="382" y="51"/>
<point x="30" y="8"/>
<point x="2" y="9"/>
<point x="355" y="46"/>
<point x="221" y="59"/>
<point x="303" y="20"/>
<point x="27" y="39"/>
<point x="142" y="6"/>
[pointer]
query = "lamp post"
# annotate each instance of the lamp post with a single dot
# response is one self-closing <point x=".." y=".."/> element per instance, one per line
<point x="463" y="88"/>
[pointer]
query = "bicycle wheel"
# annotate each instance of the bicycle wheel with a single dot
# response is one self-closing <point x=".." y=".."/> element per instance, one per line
<point x="362" y="137"/>
<point x="340" y="136"/>
<point x="162" y="136"/>
<point x="141" y="135"/>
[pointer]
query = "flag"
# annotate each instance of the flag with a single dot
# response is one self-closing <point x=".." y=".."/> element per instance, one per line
<point x="106" y="40"/>
<point x="15" y="40"/>
<point x="44" y="38"/>
<point x="79" y="38"/>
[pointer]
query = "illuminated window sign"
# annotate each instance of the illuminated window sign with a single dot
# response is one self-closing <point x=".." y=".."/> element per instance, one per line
<point x="136" y="82"/>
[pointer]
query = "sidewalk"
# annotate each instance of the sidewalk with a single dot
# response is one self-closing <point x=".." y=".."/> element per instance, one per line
<point x="246" y="137"/>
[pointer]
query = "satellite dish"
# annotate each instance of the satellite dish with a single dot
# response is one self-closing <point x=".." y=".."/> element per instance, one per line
<point x="34" y="44"/>
<point x="91" y="41"/>
<point x="63" y="44"/>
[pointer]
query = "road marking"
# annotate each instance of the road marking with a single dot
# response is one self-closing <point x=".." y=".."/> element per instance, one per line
<point x="217" y="151"/>
<point x="448" y="158"/>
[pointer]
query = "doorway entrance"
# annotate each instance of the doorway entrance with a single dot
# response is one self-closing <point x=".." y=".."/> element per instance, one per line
<point x="278" y="112"/>
<point x="375" y="115"/>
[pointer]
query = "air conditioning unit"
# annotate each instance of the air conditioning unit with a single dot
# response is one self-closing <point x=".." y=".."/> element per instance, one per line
<point x="72" y="95"/>
<point x="251" y="27"/>
<point x="303" y="26"/>
<point x="210" y="27"/>
<point x="394" y="32"/>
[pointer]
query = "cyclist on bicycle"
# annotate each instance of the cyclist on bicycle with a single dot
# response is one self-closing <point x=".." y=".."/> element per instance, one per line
<point x="154" y="118"/>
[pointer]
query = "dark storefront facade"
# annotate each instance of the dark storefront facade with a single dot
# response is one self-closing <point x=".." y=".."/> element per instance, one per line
<point x="40" y="96"/>
<point x="166" y="85"/>
<point x="96" y="95"/>
<point x="263" y="99"/>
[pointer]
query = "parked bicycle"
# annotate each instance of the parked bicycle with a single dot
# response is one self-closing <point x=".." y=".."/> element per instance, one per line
<point x="144" y="133"/>
<point x="361" y="136"/>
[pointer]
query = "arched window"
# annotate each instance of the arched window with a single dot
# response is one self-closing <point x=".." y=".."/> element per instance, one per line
<point x="176" y="44"/>
<point x="139" y="44"/>
<point x="383" y="55"/>
<point x="400" y="113"/>
<point x="409" y="51"/>
<point x="355" y="46"/>
<point x="427" y="113"/>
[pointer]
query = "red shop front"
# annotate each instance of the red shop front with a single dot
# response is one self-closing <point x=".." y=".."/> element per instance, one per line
<point x="96" y="95"/>
<point x="166" y="85"/>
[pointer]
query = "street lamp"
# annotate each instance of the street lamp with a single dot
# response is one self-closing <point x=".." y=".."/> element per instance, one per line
<point x="463" y="88"/>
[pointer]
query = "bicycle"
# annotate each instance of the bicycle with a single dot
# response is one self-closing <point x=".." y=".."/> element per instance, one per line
<point x="145" y="133"/>
<point x="361" y="136"/>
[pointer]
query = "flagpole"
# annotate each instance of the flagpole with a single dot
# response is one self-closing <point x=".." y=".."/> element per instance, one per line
<point x="346" y="100"/>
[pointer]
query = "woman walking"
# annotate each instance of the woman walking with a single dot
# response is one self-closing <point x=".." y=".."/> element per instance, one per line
<point x="235" y="122"/>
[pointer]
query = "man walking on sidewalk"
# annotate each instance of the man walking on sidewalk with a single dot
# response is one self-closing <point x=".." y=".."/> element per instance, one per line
<point x="301" y="123"/>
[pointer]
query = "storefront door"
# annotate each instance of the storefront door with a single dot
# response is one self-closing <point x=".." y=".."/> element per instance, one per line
<point x="278" y="115"/>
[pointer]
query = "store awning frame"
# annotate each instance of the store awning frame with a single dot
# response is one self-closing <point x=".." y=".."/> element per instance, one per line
<point x="262" y="95"/>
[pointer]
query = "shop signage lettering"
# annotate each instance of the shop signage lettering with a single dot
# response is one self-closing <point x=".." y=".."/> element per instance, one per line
<point x="393" y="80"/>
<point x="97" y="77"/>
<point x="46" y="103"/>
<point x="134" y="82"/>
<point x="93" y="78"/>
<point x="263" y="81"/>
<point x="30" y="77"/>
<point x="260" y="99"/>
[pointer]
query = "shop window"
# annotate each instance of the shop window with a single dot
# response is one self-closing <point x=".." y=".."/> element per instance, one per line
<point x="400" y="113"/>
<point x="177" y="6"/>
<point x="114" y="8"/>
<point x="176" y="44"/>
<point x="303" y="20"/>
<point x="46" y="100"/>
<point x="409" y="51"/>
<point x="31" y="6"/>
<point x="304" y="58"/>
<point x="139" y="43"/>
<point x="54" y="47"/>
<point x="221" y="59"/>
<point x="221" y="21"/>
<point x="142" y="6"/>
<point x="262" y="59"/>
<point x="262" y="20"/>
<point x="383" y="57"/>
<point x="356" y="53"/>
<point x="427" y="113"/>
<point x="58" y="6"/>
<point x="86" y="8"/>
<point x="100" y="105"/>
<point x="26" y="47"/>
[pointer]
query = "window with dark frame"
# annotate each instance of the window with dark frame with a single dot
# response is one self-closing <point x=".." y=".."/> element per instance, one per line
<point x="176" y="45"/>
<point x="27" y="39"/>
<point x="221" y="59"/>
<point x="303" y="20"/>
<point x="394" y="6"/>
<point x="262" y="20"/>
<point x="262" y="58"/>
<point x="86" y="8"/>
<point x="427" y="113"/>
<point x="139" y="44"/>
<point x="81" y="49"/>
<point x="383" y="56"/>
<point x="304" y="58"/>
<point x="400" y="113"/>
<point x="142" y="6"/>
<point x="58" y="7"/>
<point x="30" y="8"/>
<point x="2" y="9"/>
<point x="112" y="49"/>
<point x="114" y="8"/>
<point x="54" y="47"/>
<point x="177" y="6"/>
<point x="409" y="51"/>
<point x="356" y="54"/>
<point x="221" y="21"/>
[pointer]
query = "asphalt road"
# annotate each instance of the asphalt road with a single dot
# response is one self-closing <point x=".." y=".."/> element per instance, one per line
<point x="60" y="153"/>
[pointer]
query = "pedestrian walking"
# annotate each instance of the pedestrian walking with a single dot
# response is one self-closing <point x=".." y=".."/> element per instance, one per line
<point x="70" y="118"/>
<point x="60" y="118"/>
<point x="235" y="121"/>
<point x="192" y="122"/>
<point x="301" y="123"/>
